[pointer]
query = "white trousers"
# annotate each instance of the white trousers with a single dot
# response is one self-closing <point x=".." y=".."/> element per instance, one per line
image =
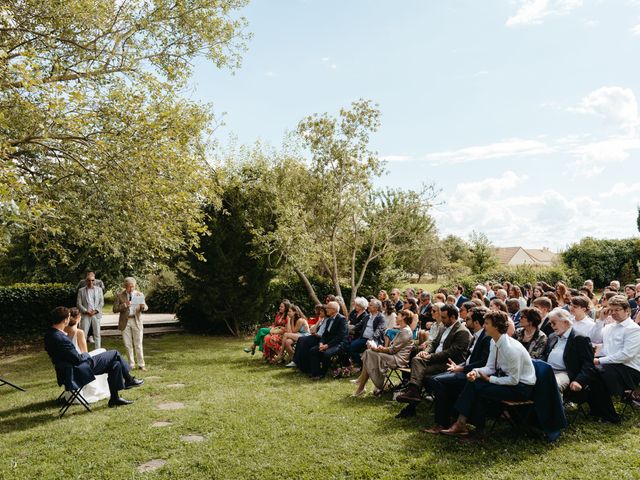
<point x="132" y="337"/>
<point x="85" y="322"/>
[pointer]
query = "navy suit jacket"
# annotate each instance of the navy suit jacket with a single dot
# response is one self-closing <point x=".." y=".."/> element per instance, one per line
<point x="73" y="370"/>
<point x="336" y="333"/>
<point x="577" y="356"/>
<point x="480" y="353"/>
<point x="461" y="300"/>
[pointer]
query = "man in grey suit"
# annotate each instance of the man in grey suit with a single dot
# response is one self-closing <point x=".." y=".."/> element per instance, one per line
<point x="90" y="302"/>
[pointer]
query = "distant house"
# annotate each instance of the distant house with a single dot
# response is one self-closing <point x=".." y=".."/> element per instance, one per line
<point x="525" y="256"/>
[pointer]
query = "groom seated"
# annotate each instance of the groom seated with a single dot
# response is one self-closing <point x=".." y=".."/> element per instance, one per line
<point x="81" y="366"/>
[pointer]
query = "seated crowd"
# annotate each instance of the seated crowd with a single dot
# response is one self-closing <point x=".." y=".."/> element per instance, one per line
<point x="459" y="352"/>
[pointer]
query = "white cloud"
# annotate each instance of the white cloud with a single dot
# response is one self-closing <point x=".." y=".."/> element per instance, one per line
<point x="615" y="104"/>
<point x="532" y="12"/>
<point x="592" y="158"/>
<point x="507" y="148"/>
<point x="621" y="189"/>
<point x="636" y="30"/>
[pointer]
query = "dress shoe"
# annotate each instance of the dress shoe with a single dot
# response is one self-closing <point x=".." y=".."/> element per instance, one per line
<point x="291" y="364"/>
<point x="117" y="402"/>
<point x="456" y="429"/>
<point x="410" y="395"/>
<point x="134" y="382"/>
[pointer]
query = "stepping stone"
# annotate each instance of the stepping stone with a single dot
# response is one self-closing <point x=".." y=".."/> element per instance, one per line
<point x="160" y="424"/>
<point x="176" y="385"/>
<point x="151" y="465"/>
<point x="192" y="438"/>
<point x="171" y="406"/>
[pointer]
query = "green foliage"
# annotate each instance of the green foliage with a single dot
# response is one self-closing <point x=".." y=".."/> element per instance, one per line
<point x="226" y="284"/>
<point x="164" y="292"/>
<point x="520" y="275"/>
<point x="102" y="159"/>
<point x="24" y="308"/>
<point x="481" y="257"/>
<point x="295" y="292"/>
<point x="604" y="260"/>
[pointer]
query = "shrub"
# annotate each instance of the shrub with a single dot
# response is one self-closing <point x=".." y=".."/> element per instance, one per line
<point x="25" y="308"/>
<point x="164" y="293"/>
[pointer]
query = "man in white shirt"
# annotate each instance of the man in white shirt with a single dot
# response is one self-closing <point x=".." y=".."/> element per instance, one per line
<point x="618" y="358"/>
<point x="90" y="301"/>
<point x="508" y="375"/>
<point x="582" y="323"/>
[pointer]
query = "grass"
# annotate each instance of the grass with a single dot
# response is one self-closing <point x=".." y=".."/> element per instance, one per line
<point x="268" y="422"/>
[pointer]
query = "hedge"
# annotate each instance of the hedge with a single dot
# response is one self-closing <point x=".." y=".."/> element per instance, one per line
<point x="25" y="308"/>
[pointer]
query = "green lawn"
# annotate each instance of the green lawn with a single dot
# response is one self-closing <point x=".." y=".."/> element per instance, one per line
<point x="260" y="421"/>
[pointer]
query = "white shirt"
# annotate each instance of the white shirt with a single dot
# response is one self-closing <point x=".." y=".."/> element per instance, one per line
<point x="445" y="334"/>
<point x="621" y="344"/>
<point x="509" y="356"/>
<point x="596" y="331"/>
<point x="583" y="327"/>
<point x="556" y="356"/>
<point x="390" y="319"/>
<point x="91" y="298"/>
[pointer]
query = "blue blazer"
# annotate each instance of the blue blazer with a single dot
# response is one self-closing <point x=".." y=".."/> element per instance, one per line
<point x="73" y="369"/>
<point x="379" y="327"/>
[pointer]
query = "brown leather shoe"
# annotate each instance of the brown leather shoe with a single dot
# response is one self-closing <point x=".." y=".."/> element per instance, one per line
<point x="456" y="429"/>
<point x="410" y="395"/>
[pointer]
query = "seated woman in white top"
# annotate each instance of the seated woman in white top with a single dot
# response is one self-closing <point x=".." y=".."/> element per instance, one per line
<point x="99" y="388"/>
<point x="579" y="308"/>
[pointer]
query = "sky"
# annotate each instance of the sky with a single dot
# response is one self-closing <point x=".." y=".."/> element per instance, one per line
<point x="523" y="113"/>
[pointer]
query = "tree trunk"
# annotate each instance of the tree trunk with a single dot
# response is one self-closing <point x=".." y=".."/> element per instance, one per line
<point x="419" y="277"/>
<point x="307" y="285"/>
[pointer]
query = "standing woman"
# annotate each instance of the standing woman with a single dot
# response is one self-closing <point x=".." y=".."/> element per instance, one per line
<point x="281" y="317"/>
<point x="377" y="360"/>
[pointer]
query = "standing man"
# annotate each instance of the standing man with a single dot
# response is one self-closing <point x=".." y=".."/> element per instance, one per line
<point x="129" y="303"/>
<point x="90" y="301"/>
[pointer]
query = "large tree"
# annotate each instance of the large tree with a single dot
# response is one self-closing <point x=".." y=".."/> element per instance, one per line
<point x="101" y="156"/>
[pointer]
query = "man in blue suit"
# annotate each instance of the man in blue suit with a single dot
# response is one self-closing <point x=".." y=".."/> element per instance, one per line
<point x="333" y="341"/>
<point x="79" y="369"/>
<point x="460" y="298"/>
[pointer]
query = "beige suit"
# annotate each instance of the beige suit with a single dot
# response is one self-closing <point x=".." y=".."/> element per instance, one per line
<point x="131" y="326"/>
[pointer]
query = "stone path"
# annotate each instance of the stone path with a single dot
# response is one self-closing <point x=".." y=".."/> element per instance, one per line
<point x="151" y="465"/>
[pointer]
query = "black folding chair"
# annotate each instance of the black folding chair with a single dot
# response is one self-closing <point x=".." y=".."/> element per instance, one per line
<point x="5" y="382"/>
<point x="72" y="397"/>
<point x="65" y="378"/>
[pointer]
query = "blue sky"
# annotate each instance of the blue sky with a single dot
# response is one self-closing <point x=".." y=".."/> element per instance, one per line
<point x="524" y="113"/>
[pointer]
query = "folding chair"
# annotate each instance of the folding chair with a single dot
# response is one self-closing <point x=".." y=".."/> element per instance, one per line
<point x="575" y="398"/>
<point x="630" y="397"/>
<point x="65" y="378"/>
<point x="5" y="382"/>
<point x="517" y="414"/>
<point x="393" y="375"/>
<point x="68" y="401"/>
